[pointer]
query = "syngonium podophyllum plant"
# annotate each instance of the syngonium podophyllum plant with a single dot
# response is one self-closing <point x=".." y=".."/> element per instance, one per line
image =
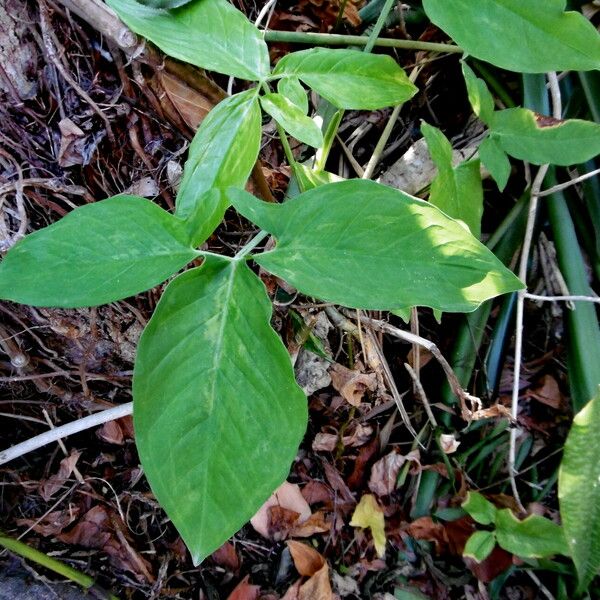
<point x="217" y="412"/>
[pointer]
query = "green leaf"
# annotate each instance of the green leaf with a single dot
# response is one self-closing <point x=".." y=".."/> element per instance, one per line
<point x="538" y="139"/>
<point x="98" y="253"/>
<point x="210" y="34"/>
<point x="535" y="36"/>
<point x="221" y="154"/>
<point x="164" y="3"/>
<point x="579" y="492"/>
<point x="480" y="545"/>
<point x="481" y="510"/>
<point x="292" y="89"/>
<point x="365" y="245"/>
<point x="349" y="79"/>
<point x="309" y="178"/>
<point x="292" y="119"/>
<point x="495" y="161"/>
<point x="534" y="537"/>
<point x="456" y="191"/>
<point x="218" y="415"/>
<point x="479" y="96"/>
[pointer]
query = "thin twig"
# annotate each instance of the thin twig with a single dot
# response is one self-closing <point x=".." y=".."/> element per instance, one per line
<point x="562" y="298"/>
<point x="58" y="433"/>
<point x="527" y="241"/>
<point x="563" y="186"/>
<point x="421" y="393"/>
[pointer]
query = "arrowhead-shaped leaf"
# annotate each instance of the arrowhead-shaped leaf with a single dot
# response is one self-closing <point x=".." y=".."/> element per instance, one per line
<point x="292" y="119"/>
<point x="535" y="36"/>
<point x="98" y="253"/>
<point x="221" y="154"/>
<point x="365" y="245"/>
<point x="210" y="34"/>
<point x="579" y="492"/>
<point x="218" y="415"/>
<point x="343" y="76"/>
<point x="538" y="139"/>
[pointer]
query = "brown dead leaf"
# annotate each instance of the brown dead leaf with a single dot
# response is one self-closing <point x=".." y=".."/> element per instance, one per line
<point x="317" y="492"/>
<point x="191" y="105"/>
<point x="548" y="393"/>
<point x="425" y="528"/>
<point x="497" y="410"/>
<point x="53" y="523"/>
<point x="327" y="442"/>
<point x="244" y="591"/>
<point x="76" y="147"/>
<point x="54" y="483"/>
<point x="357" y="478"/>
<point x="306" y="559"/>
<point x="318" y="587"/>
<point x="448" y="443"/>
<point x="352" y="385"/>
<point x="293" y="591"/>
<point x="336" y="481"/>
<point x="287" y="497"/>
<point x="384" y="473"/>
<point x="227" y="557"/>
<point x="316" y="523"/>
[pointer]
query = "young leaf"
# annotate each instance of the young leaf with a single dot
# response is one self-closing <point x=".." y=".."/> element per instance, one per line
<point x="98" y="253"/>
<point x="164" y="3"/>
<point x="479" y="96"/>
<point x="579" y="492"/>
<point x="343" y="76"/>
<point x="368" y="514"/>
<point x="495" y="161"/>
<point x="309" y="178"/>
<point x="210" y="34"/>
<point x="534" y="537"/>
<point x="383" y="250"/>
<point x="292" y="119"/>
<point x="481" y="510"/>
<point x="529" y="37"/>
<point x="480" y="545"/>
<point x="292" y="89"/>
<point x="456" y="191"/>
<point x="221" y="154"/>
<point x="218" y="415"/>
<point x="538" y="139"/>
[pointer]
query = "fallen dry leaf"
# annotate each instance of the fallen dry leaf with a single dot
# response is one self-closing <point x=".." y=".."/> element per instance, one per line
<point x="306" y="559"/>
<point x="190" y="104"/>
<point x="226" y="557"/>
<point x="287" y="497"/>
<point x="244" y="591"/>
<point x="52" y="523"/>
<point x="384" y="473"/>
<point x="316" y="523"/>
<point x="548" y="392"/>
<point x="449" y="443"/>
<point x="327" y="442"/>
<point x="54" y="483"/>
<point x="368" y="514"/>
<point x="318" y="587"/>
<point x="352" y="385"/>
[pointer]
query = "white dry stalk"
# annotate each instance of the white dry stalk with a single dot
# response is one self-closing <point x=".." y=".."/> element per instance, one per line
<point x="539" y="298"/>
<point x="527" y="241"/>
<point x="566" y="184"/>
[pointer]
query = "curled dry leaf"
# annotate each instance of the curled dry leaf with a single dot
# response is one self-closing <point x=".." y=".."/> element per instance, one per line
<point x="352" y="385"/>
<point x="449" y="443"/>
<point x="368" y="514"/>
<point x="286" y="499"/>
<point x="191" y="105"/>
<point x="384" y="473"/>
<point x="244" y="591"/>
<point x="52" y="523"/>
<point x="226" y="557"/>
<point x="327" y="442"/>
<point x="53" y="484"/>
<point x="306" y="559"/>
<point x="548" y="393"/>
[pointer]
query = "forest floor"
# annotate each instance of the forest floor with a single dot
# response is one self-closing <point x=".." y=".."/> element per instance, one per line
<point x="81" y="121"/>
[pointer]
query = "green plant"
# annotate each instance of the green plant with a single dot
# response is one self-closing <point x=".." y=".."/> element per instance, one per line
<point x="217" y="412"/>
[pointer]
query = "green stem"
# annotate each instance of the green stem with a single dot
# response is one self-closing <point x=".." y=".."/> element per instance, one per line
<point x="332" y="39"/>
<point x="383" y="15"/>
<point x="25" y="551"/>
<point x="257" y="239"/>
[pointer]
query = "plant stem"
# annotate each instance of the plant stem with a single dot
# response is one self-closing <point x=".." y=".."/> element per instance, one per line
<point x="383" y="15"/>
<point x="257" y="239"/>
<point x="333" y="39"/>
<point x="289" y="155"/>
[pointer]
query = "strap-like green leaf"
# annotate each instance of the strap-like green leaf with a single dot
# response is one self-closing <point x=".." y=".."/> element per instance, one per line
<point x="98" y="253"/>
<point x="381" y="250"/>
<point x="534" y="537"/>
<point x="292" y="119"/>
<point x="579" y="492"/>
<point x="221" y="154"/>
<point x="479" y="96"/>
<point x="211" y="34"/>
<point x="457" y="191"/>
<point x="343" y="77"/>
<point x="532" y="36"/>
<point x="217" y="413"/>
<point x="538" y="139"/>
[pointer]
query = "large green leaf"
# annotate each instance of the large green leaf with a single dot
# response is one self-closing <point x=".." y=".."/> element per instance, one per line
<point x="218" y="415"/>
<point x="366" y="245"/>
<point x="98" y="253"/>
<point x="538" y="139"/>
<point x="211" y="34"/>
<point x="292" y="119"/>
<point x="221" y="154"/>
<point x="349" y="79"/>
<point x="532" y="36"/>
<point x="579" y="492"/>
<point x="534" y="537"/>
<point x="457" y="191"/>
